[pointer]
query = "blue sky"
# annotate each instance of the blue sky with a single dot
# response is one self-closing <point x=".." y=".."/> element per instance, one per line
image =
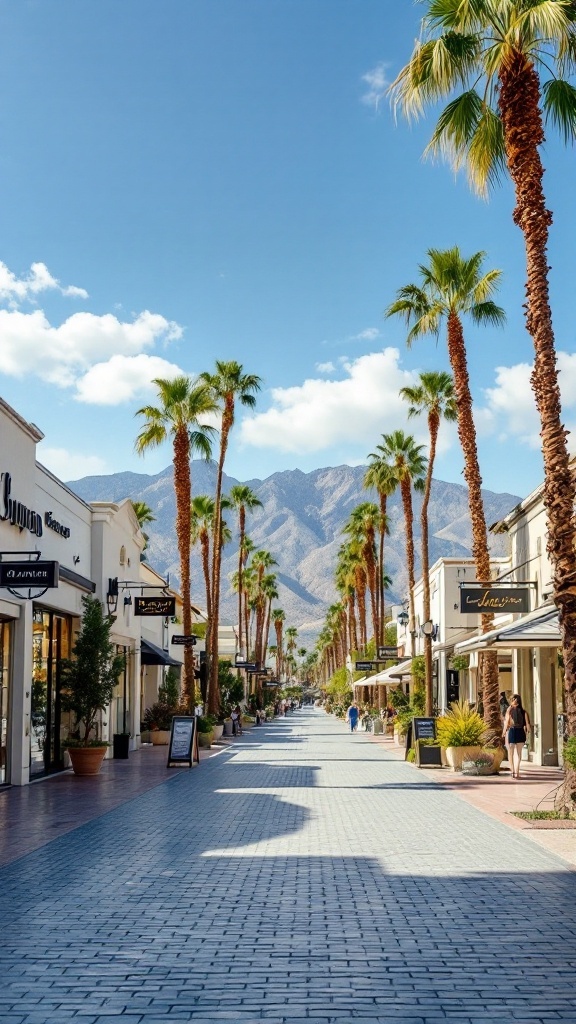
<point x="186" y="180"/>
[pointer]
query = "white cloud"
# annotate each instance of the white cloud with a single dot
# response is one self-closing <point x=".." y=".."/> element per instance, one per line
<point x="68" y="465"/>
<point x="377" y="83"/>
<point x="15" y="290"/>
<point x="325" y="367"/>
<point x="369" y="334"/>
<point x="61" y="355"/>
<point x="122" y="378"/>
<point x="510" y="408"/>
<point x="320" y="413"/>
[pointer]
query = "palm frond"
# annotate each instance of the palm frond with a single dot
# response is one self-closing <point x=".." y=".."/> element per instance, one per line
<point x="486" y="152"/>
<point x="488" y="313"/>
<point x="559" y="102"/>
<point x="542" y="21"/>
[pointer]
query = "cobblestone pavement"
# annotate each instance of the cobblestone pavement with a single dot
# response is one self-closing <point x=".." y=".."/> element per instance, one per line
<point x="303" y="874"/>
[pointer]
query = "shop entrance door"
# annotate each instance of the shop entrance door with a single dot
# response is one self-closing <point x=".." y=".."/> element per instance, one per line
<point x="49" y="724"/>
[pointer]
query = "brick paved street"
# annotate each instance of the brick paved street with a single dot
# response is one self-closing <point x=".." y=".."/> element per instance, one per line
<point x="303" y="874"/>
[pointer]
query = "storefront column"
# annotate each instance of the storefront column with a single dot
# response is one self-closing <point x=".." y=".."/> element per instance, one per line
<point x="136" y="709"/>
<point x="21" y="695"/>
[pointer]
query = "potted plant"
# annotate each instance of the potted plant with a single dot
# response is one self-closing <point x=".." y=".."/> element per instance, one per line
<point x="158" y="720"/>
<point x="205" y="726"/>
<point x="460" y="732"/>
<point x="88" y="682"/>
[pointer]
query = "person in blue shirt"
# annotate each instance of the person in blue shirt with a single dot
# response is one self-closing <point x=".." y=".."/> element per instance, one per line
<point x="352" y="716"/>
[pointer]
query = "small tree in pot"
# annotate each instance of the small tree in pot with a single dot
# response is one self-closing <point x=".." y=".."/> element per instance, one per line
<point x="88" y="682"/>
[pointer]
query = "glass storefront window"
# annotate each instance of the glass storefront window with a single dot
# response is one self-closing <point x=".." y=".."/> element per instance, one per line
<point x="5" y="641"/>
<point x="49" y="725"/>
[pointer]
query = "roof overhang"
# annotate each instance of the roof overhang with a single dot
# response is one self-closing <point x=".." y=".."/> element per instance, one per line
<point x="152" y="655"/>
<point x="539" y="628"/>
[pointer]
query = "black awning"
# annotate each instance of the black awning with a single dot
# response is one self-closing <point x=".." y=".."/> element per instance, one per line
<point x="152" y="655"/>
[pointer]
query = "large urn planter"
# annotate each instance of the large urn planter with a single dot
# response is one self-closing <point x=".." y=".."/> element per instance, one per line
<point x="228" y="727"/>
<point x="86" y="760"/>
<point x="218" y="730"/>
<point x="456" y="755"/>
<point x="160" y="737"/>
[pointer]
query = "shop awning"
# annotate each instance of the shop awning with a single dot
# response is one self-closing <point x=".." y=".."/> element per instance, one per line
<point x="389" y="677"/>
<point x="152" y="655"/>
<point x="539" y="628"/>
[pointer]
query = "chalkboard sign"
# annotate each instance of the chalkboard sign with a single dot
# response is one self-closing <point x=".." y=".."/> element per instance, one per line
<point x="183" y="746"/>
<point x="424" y="728"/>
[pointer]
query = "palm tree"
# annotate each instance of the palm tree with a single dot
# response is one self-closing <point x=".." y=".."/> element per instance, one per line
<point x="201" y="527"/>
<point x="521" y="54"/>
<point x="270" y="594"/>
<point x="261" y="560"/>
<point x="452" y="287"/>
<point x="183" y="406"/>
<point x="279" y="618"/>
<point x="361" y="527"/>
<point x="144" y="515"/>
<point x="435" y="396"/>
<point x="229" y="385"/>
<point x="401" y="451"/>
<point x="380" y="476"/>
<point x="242" y="499"/>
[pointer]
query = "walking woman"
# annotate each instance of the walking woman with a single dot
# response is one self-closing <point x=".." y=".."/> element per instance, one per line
<point x="516" y="726"/>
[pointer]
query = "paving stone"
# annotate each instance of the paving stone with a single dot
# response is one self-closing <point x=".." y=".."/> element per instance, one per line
<point x="302" y="875"/>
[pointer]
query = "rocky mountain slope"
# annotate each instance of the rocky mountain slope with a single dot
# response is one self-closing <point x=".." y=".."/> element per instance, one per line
<point x="301" y="525"/>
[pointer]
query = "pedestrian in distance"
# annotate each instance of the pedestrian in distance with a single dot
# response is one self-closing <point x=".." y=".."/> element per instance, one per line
<point x="516" y="726"/>
<point x="352" y="716"/>
<point x="236" y="717"/>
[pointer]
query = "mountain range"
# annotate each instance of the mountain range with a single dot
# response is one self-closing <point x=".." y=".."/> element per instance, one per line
<point x="300" y="524"/>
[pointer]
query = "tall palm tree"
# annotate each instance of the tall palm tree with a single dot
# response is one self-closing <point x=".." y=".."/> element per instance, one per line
<point x="380" y="476"/>
<point x="450" y="288"/>
<point x="201" y="528"/>
<point x="361" y="526"/>
<point x="401" y="451"/>
<point x="261" y="561"/>
<point x="243" y="500"/>
<point x="434" y="395"/>
<point x="520" y="54"/>
<point x="184" y="404"/>
<point x="144" y="514"/>
<point x="279" y="618"/>
<point x="270" y="594"/>
<point x="229" y="385"/>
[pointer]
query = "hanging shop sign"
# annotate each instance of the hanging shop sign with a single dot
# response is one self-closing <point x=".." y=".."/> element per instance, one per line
<point x="184" y="641"/>
<point x="29" y="574"/>
<point x="480" y="600"/>
<point x="386" y="653"/>
<point x="15" y="512"/>
<point x="155" y="606"/>
<point x="365" y="666"/>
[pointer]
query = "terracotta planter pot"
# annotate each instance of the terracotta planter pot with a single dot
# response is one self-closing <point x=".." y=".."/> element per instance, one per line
<point x="86" y="760"/>
<point x="217" y="730"/>
<point x="160" y="737"/>
<point x="498" y="756"/>
<point x="456" y="755"/>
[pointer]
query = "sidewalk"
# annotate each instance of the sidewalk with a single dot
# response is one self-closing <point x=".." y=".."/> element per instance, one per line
<point x="31" y="816"/>
<point x="500" y="795"/>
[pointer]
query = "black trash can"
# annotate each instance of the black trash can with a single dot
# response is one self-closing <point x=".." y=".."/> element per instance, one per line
<point x="121" y="745"/>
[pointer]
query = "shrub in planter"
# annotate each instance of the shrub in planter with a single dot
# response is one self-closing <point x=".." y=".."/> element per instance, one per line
<point x="461" y="732"/>
<point x="88" y="682"/>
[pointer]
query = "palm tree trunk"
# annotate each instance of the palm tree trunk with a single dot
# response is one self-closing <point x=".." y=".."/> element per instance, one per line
<point x="242" y="530"/>
<point x="205" y="546"/>
<point x="433" y="426"/>
<point x="213" y="690"/>
<point x="382" y="633"/>
<point x="523" y="133"/>
<point x="481" y="555"/>
<point x="183" y="492"/>
<point x="406" y="492"/>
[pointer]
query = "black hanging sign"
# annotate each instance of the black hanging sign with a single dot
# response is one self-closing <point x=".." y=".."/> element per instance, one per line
<point x="29" y="574"/>
<point x="155" y="606"/>
<point x="479" y="600"/>
<point x="184" y="641"/>
<point x="365" y="666"/>
<point x="387" y="653"/>
<point x="183" y="746"/>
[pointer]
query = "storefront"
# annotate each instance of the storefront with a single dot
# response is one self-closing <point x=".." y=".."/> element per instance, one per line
<point x="51" y="641"/>
<point x="5" y="677"/>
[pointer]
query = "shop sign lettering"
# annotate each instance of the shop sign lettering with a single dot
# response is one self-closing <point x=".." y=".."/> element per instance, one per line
<point x="476" y="600"/>
<point x="15" y="512"/>
<point x="155" y="606"/>
<point x="64" y="531"/>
